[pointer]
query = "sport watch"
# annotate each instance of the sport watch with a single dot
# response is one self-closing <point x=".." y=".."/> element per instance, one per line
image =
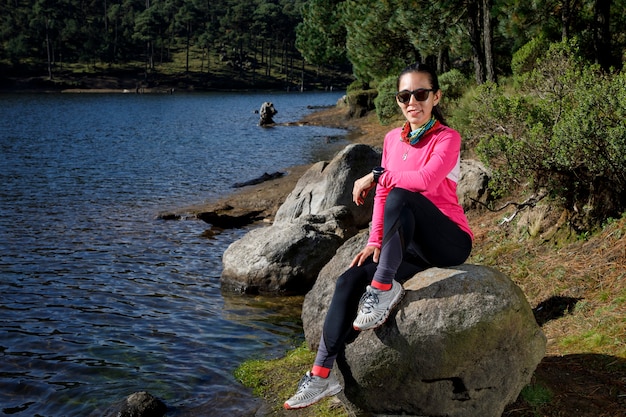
<point x="378" y="171"/>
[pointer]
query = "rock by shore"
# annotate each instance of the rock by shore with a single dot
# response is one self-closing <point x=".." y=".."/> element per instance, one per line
<point x="260" y="202"/>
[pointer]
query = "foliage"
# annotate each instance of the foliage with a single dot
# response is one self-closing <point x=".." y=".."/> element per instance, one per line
<point x="246" y="34"/>
<point x="563" y="130"/>
<point x="321" y="34"/>
<point x="377" y="39"/>
<point x="373" y="47"/>
<point x="454" y="85"/>
<point x="536" y="395"/>
<point x="387" y="108"/>
<point x="526" y="57"/>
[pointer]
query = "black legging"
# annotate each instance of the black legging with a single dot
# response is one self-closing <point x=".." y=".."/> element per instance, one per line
<point x="433" y="240"/>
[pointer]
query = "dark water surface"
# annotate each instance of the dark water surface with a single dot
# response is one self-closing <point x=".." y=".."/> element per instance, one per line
<point x="98" y="299"/>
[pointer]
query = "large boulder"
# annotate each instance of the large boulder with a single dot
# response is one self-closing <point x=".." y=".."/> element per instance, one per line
<point x="316" y="218"/>
<point x="329" y="184"/>
<point x="463" y="342"/>
<point x="285" y="258"/>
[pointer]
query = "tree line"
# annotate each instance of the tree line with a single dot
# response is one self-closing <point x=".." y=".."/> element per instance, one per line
<point x="123" y="31"/>
<point x="380" y="37"/>
<point x="374" y="38"/>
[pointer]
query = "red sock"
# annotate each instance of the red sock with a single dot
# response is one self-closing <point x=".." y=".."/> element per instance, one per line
<point x="381" y="286"/>
<point x="320" y="371"/>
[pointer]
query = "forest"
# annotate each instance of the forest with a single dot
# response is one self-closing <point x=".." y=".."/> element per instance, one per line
<point x="366" y="38"/>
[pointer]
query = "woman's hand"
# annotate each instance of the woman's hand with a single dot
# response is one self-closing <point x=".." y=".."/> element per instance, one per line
<point x="361" y="188"/>
<point x="364" y="254"/>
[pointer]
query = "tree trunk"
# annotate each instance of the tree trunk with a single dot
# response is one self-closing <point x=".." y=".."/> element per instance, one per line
<point x="488" y="40"/>
<point x="443" y="60"/>
<point x="48" y="49"/>
<point x="565" y="18"/>
<point x="474" y="24"/>
<point x="602" y="33"/>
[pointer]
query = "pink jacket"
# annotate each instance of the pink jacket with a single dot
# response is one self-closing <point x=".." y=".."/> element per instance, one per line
<point x="430" y="167"/>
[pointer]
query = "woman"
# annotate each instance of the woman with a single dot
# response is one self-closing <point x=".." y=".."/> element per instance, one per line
<point x="417" y="223"/>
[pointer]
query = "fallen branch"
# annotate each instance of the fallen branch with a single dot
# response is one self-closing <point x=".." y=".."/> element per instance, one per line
<point x="529" y="202"/>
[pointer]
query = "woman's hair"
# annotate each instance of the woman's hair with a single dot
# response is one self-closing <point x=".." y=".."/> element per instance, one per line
<point x="434" y="82"/>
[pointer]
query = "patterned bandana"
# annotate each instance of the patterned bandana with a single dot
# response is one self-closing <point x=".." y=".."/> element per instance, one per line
<point x="413" y="137"/>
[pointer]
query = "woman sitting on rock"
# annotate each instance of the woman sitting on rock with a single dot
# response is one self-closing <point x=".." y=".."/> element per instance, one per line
<point x="417" y="223"/>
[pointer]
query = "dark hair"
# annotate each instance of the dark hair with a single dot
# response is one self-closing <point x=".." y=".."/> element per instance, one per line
<point x="434" y="82"/>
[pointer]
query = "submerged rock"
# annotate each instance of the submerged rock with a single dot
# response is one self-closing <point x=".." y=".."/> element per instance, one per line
<point x="138" y="404"/>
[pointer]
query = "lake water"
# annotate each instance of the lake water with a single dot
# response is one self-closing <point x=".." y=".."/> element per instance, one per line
<point x="98" y="298"/>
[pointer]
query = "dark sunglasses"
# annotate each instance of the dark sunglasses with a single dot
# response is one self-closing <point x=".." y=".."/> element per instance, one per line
<point x="421" y="94"/>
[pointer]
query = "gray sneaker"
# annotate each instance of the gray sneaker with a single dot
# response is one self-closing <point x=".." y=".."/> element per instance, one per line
<point x="375" y="306"/>
<point x="311" y="389"/>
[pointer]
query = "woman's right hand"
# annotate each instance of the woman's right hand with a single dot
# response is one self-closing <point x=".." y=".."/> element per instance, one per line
<point x="361" y="188"/>
<point x="364" y="254"/>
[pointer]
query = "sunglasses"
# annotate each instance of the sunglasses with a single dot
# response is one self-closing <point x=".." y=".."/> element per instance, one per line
<point x="421" y="94"/>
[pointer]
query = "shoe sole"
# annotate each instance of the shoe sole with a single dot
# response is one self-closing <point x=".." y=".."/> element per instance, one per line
<point x="329" y="393"/>
<point x="384" y="318"/>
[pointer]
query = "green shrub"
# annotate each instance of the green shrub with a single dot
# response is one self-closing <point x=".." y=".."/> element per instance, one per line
<point x="357" y="85"/>
<point x="525" y="59"/>
<point x="565" y="132"/>
<point x="387" y="108"/>
<point x="453" y="84"/>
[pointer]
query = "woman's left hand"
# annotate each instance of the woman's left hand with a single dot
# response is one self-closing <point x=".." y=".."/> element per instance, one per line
<point x="368" y="251"/>
<point x="361" y="188"/>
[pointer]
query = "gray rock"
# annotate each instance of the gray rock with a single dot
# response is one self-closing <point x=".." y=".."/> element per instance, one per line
<point x="463" y="342"/>
<point x="267" y="113"/>
<point x="329" y="184"/>
<point x="316" y="218"/>
<point x="138" y="404"/>
<point x="472" y="188"/>
<point x="287" y="257"/>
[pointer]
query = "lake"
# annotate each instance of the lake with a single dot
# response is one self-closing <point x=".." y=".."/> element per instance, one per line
<point x="99" y="298"/>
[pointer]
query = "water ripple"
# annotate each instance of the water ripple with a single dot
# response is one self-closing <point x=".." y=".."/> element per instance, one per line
<point x="99" y="299"/>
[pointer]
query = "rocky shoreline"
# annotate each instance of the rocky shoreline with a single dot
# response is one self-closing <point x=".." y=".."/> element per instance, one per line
<point x="260" y="202"/>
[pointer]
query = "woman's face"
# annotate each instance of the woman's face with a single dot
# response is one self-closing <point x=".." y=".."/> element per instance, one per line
<point x="417" y="112"/>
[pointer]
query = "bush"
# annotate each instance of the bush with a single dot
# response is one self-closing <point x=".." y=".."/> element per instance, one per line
<point x="453" y="84"/>
<point x="525" y="59"/>
<point x="565" y="133"/>
<point x="387" y="108"/>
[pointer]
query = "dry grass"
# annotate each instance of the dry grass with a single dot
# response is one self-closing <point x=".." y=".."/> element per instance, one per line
<point x="585" y="278"/>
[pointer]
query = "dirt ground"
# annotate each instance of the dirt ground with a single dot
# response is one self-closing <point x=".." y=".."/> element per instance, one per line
<point x="579" y="385"/>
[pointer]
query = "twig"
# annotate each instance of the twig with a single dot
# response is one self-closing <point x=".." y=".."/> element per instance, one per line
<point x="530" y="202"/>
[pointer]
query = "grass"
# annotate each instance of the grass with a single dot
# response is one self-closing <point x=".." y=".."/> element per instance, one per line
<point x="276" y="380"/>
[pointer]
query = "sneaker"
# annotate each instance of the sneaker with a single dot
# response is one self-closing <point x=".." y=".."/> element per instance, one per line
<point x="375" y="306"/>
<point x="311" y="389"/>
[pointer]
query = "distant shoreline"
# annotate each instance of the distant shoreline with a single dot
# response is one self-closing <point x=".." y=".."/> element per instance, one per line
<point x="136" y="82"/>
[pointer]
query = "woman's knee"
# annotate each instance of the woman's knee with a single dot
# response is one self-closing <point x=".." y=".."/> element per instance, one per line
<point x="397" y="197"/>
<point x="352" y="281"/>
